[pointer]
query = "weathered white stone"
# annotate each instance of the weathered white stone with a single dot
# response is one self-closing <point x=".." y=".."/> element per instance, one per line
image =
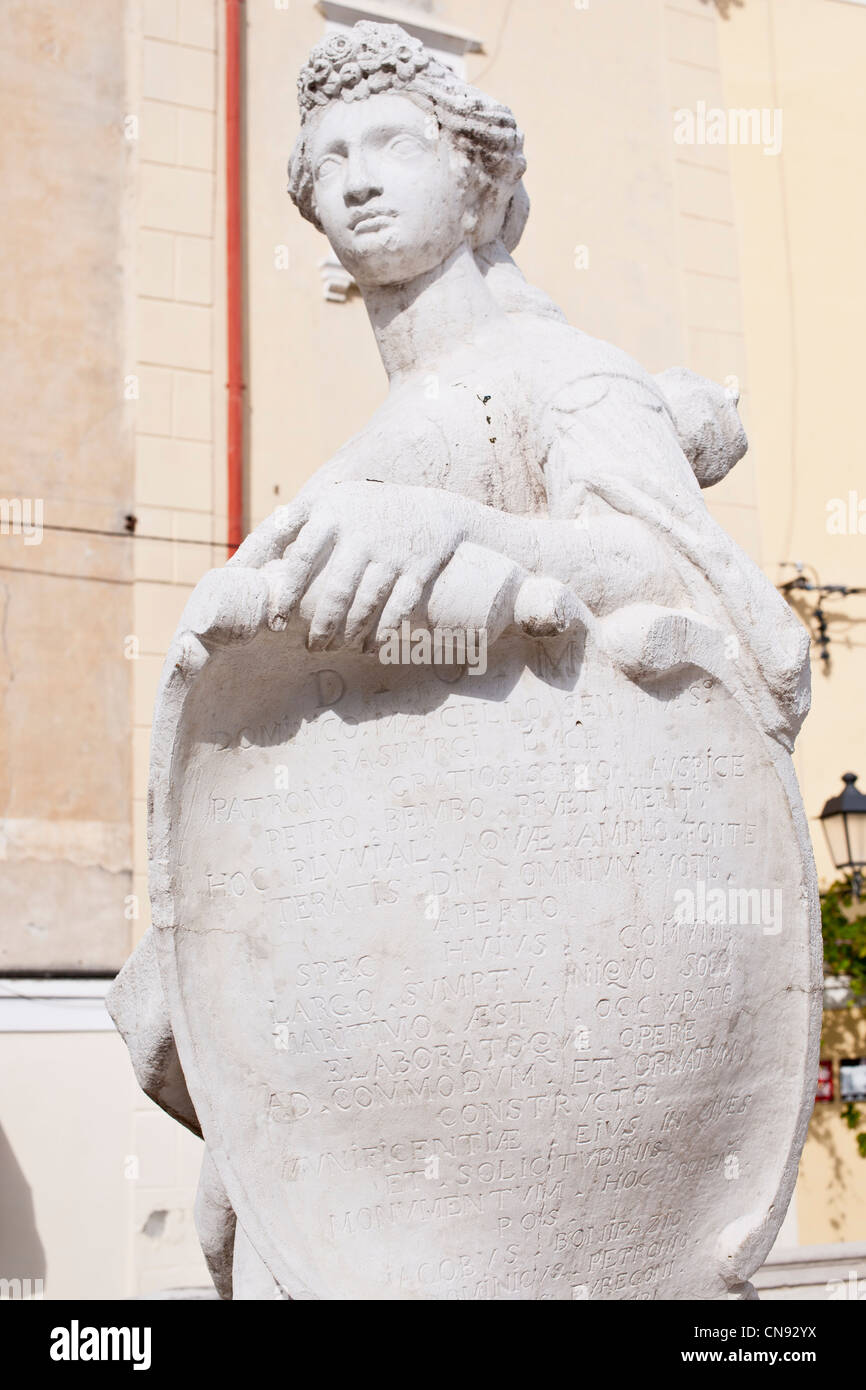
<point x="496" y="979"/>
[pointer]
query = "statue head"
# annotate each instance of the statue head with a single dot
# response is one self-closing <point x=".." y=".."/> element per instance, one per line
<point x="398" y="161"/>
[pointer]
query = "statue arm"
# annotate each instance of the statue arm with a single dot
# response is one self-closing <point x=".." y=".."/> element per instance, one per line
<point x="355" y="557"/>
<point x="628" y="535"/>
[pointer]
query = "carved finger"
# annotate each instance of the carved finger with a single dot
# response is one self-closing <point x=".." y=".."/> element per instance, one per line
<point x="405" y="597"/>
<point x="270" y="539"/>
<point x="373" y="590"/>
<point x="546" y="608"/>
<point x="288" y="581"/>
<point x="339" y="583"/>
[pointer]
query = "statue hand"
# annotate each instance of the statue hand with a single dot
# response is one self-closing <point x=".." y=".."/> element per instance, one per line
<point x="355" y="552"/>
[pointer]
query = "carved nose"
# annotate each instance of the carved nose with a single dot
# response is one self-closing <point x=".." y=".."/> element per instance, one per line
<point x="360" y="184"/>
<point x="361" y="191"/>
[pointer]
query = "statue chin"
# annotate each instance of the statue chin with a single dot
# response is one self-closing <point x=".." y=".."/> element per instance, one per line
<point x="379" y="259"/>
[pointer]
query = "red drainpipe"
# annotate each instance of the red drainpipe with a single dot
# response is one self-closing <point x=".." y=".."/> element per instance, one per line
<point x="234" y="277"/>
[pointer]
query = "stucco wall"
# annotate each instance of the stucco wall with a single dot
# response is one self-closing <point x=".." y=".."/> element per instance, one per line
<point x="66" y="602"/>
<point x="802" y="228"/>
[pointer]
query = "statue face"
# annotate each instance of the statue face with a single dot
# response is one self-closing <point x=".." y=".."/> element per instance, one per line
<point x="388" y="188"/>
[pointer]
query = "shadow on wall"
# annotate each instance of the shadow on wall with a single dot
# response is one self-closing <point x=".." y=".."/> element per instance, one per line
<point x="724" y="7"/>
<point x="828" y="1129"/>
<point x="22" y="1255"/>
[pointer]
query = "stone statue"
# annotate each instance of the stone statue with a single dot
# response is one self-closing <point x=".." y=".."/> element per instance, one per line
<point x="484" y="955"/>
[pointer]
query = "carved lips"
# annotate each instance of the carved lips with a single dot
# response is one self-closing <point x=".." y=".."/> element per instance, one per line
<point x="370" y="219"/>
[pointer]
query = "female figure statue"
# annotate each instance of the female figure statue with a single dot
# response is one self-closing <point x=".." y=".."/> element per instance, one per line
<point x="527" y="479"/>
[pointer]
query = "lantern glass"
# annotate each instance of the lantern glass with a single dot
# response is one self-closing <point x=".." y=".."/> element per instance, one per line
<point x="837" y="839"/>
<point x="857" y="837"/>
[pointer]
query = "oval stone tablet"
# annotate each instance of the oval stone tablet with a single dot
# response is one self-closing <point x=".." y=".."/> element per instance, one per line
<point x="486" y="986"/>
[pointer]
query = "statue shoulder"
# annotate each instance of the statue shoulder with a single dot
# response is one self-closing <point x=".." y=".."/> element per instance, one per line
<point x="577" y="372"/>
<point x="574" y="367"/>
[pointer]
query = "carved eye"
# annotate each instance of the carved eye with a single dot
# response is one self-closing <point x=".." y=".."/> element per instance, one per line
<point x="327" y="165"/>
<point x="405" y="146"/>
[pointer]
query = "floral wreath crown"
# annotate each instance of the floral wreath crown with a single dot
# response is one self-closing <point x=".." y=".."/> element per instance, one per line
<point x="370" y="58"/>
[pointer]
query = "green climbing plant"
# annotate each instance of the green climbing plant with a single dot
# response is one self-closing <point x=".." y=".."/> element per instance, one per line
<point x="843" y="927"/>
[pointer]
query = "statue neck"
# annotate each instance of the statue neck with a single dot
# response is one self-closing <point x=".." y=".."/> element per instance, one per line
<point x="420" y="321"/>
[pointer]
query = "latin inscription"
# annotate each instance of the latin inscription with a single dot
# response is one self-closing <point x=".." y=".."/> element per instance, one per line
<point x="478" y="1009"/>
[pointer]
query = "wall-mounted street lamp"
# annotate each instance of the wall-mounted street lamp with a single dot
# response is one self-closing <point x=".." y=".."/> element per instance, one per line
<point x="844" y="822"/>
